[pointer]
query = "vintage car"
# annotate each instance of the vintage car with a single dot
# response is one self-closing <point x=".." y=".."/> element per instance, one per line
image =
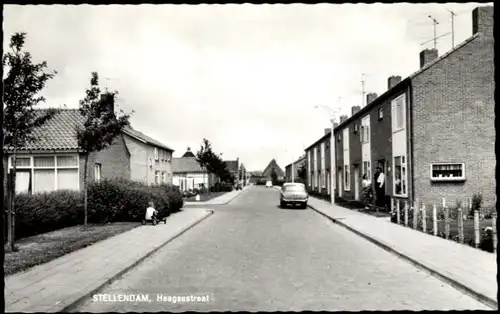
<point x="294" y="194"/>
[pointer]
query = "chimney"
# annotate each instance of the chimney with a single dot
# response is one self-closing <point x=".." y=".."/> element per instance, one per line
<point x="343" y="118"/>
<point x="393" y="81"/>
<point x="482" y="20"/>
<point x="327" y="131"/>
<point x="109" y="100"/>
<point x="354" y="110"/>
<point x="427" y="56"/>
<point x="370" y="98"/>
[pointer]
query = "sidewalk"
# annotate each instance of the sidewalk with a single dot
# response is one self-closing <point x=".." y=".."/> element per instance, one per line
<point x="224" y="199"/>
<point x="62" y="283"/>
<point x="469" y="270"/>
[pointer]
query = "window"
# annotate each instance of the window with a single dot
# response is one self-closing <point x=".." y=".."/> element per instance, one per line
<point x="380" y="113"/>
<point x="398" y="113"/>
<point x="323" y="179"/>
<point x="347" y="178"/>
<point x="400" y="176"/>
<point x="157" y="177"/>
<point x="156" y="153"/>
<point x="164" y="177"/>
<point x="97" y="172"/>
<point x="338" y="137"/>
<point x="46" y="173"/>
<point x="448" y="172"/>
<point x="367" y="170"/>
<point x="356" y="127"/>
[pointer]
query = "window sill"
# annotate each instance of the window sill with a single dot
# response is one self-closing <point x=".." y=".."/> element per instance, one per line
<point x="400" y="196"/>
<point x="447" y="179"/>
<point x="398" y="130"/>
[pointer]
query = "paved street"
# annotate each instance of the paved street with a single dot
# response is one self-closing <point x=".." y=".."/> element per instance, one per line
<point x="253" y="256"/>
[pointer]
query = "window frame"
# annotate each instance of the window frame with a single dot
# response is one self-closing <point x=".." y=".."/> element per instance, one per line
<point x="395" y="117"/>
<point x="404" y="175"/>
<point x="32" y="168"/>
<point x="347" y="178"/>
<point x="380" y="113"/>
<point x="356" y="127"/>
<point x="156" y="154"/>
<point x="97" y="166"/>
<point x="447" y="179"/>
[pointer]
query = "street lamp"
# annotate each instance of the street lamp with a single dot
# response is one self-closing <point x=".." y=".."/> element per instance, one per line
<point x="332" y="152"/>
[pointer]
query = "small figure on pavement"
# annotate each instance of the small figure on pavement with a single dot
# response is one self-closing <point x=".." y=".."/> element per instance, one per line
<point x="367" y="191"/>
<point x="151" y="212"/>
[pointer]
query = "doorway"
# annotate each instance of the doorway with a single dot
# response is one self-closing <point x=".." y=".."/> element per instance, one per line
<point x="356" y="182"/>
<point x="339" y="185"/>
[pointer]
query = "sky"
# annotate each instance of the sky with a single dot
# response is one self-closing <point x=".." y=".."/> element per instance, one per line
<point x="246" y="77"/>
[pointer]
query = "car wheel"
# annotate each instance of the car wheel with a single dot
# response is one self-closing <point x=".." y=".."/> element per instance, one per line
<point x="282" y="205"/>
<point x="304" y="206"/>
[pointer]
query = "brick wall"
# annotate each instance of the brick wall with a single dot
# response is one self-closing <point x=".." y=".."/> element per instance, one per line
<point x="115" y="162"/>
<point x="453" y="121"/>
<point x="138" y="159"/>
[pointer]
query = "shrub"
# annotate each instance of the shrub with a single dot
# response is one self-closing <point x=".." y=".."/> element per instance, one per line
<point x="45" y="212"/>
<point x="477" y="200"/>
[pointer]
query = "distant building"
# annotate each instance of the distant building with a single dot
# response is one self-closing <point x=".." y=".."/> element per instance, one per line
<point x="297" y="165"/>
<point x="267" y="173"/>
<point x="188" y="173"/>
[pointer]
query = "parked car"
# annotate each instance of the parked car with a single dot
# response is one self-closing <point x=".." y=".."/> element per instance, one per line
<point x="269" y="184"/>
<point x="294" y="194"/>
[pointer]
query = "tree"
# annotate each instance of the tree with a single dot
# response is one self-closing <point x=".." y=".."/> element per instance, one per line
<point x="274" y="176"/>
<point x="212" y="162"/>
<point x="101" y="126"/>
<point x="22" y="85"/>
<point x="302" y="172"/>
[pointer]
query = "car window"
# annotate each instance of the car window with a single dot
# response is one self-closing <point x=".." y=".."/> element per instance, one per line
<point x="294" y="188"/>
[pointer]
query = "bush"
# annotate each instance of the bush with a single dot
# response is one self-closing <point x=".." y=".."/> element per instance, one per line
<point x="123" y="200"/>
<point x="45" y="212"/>
<point x="477" y="200"/>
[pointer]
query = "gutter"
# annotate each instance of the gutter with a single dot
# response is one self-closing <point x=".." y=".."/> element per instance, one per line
<point x="410" y="142"/>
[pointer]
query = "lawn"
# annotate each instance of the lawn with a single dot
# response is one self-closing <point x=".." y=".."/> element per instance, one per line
<point x="45" y="247"/>
<point x="205" y="196"/>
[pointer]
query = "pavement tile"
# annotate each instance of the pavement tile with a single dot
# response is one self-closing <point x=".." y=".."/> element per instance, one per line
<point x="56" y="284"/>
<point x="468" y="266"/>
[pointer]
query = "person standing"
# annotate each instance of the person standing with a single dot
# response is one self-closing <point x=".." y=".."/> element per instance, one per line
<point x="380" y="187"/>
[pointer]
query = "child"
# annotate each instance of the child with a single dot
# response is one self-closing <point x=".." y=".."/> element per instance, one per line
<point x="367" y="191"/>
<point x="151" y="212"/>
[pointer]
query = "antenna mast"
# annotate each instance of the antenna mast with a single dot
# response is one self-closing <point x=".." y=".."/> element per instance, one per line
<point x="453" y="14"/>
<point x="435" y="23"/>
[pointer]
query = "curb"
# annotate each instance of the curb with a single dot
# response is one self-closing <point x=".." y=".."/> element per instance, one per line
<point x="74" y="305"/>
<point x="207" y="203"/>
<point x="447" y="279"/>
<point x="232" y="199"/>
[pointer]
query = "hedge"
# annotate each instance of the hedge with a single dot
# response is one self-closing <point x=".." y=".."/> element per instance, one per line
<point x="108" y="201"/>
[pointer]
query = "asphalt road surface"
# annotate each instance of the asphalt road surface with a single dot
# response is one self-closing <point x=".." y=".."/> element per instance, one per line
<point x="252" y="255"/>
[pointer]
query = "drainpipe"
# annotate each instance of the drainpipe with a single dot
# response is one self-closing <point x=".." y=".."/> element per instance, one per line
<point x="410" y="135"/>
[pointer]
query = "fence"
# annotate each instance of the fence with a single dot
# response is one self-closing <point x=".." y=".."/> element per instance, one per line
<point x="450" y="223"/>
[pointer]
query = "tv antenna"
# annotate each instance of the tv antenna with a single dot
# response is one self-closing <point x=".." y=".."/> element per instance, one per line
<point x="434" y="24"/>
<point x="362" y="90"/>
<point x="453" y="14"/>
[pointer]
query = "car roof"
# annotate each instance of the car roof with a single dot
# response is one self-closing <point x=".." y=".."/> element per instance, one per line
<point x="294" y="183"/>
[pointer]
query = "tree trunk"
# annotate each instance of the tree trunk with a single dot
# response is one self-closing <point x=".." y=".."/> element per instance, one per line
<point x="85" y="185"/>
<point x="13" y="205"/>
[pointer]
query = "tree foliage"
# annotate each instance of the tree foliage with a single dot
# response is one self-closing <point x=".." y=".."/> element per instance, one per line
<point x="23" y="82"/>
<point x="22" y="85"/>
<point x="212" y="162"/>
<point x="101" y="125"/>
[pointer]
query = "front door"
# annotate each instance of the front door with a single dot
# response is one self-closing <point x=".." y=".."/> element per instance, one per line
<point x="339" y="185"/>
<point x="356" y="182"/>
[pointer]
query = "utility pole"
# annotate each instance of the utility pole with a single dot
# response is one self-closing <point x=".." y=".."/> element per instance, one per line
<point x="435" y="36"/>
<point x="453" y="14"/>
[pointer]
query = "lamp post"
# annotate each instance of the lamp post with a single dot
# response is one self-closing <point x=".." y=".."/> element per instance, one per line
<point x="332" y="153"/>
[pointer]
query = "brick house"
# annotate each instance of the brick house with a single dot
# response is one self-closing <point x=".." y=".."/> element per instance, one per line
<point x="432" y="133"/>
<point x="150" y="160"/>
<point x="55" y="161"/>
<point x="297" y="165"/>
<point x="318" y="165"/>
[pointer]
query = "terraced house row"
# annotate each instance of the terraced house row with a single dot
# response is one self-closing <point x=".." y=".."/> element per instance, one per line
<point x="431" y="133"/>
